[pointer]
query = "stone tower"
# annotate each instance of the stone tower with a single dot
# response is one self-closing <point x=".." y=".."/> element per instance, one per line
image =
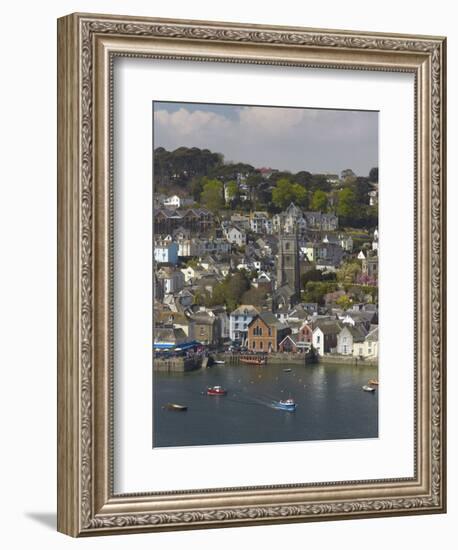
<point x="288" y="272"/>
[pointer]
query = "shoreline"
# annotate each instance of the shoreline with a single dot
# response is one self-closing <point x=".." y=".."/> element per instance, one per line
<point x="295" y="359"/>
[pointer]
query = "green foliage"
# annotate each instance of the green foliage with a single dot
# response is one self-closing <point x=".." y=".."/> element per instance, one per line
<point x="183" y="164"/>
<point x="344" y="302"/>
<point x="232" y="190"/>
<point x="348" y="272"/>
<point x="319" y="201"/>
<point x="229" y="292"/>
<point x="212" y="195"/>
<point x="315" y="275"/>
<point x="319" y="182"/>
<point x="346" y="203"/>
<point x="315" y="291"/>
<point x="286" y="192"/>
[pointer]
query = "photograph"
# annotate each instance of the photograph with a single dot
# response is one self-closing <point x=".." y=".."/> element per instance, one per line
<point x="265" y="274"/>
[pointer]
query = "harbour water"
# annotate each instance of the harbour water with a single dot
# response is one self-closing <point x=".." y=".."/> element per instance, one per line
<point x="330" y="405"/>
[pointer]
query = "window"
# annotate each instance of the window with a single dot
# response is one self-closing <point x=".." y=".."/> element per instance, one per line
<point x="254" y="345"/>
<point x="260" y="345"/>
<point x="270" y="331"/>
<point x="286" y="246"/>
<point x="318" y="339"/>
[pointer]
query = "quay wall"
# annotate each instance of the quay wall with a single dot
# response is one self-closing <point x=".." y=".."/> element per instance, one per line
<point x="302" y="359"/>
<point x="347" y="360"/>
<point x="177" y="364"/>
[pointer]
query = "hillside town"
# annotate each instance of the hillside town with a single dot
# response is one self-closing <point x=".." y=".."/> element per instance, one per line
<point x="257" y="261"/>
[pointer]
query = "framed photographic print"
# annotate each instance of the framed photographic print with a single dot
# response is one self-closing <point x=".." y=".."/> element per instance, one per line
<point x="251" y="274"/>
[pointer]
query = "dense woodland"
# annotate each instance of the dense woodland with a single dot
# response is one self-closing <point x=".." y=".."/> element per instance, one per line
<point x="217" y="185"/>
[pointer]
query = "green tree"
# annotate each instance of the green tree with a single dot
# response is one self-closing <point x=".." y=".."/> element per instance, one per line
<point x="283" y="193"/>
<point x="232" y="190"/>
<point x="212" y="195"/>
<point x="315" y="291"/>
<point x="348" y="272"/>
<point x="301" y="197"/>
<point x="344" y="302"/>
<point x="347" y="205"/>
<point x="310" y="275"/>
<point x="319" y="201"/>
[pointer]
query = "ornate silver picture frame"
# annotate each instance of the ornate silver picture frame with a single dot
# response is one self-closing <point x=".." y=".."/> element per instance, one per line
<point x="87" y="47"/>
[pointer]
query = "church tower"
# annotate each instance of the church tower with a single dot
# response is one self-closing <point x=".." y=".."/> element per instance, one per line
<point x="288" y="272"/>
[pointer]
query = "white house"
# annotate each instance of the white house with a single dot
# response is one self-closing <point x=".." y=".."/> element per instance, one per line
<point x="239" y="320"/>
<point x="166" y="252"/>
<point x="369" y="348"/>
<point x="324" y="337"/>
<point x="235" y="235"/>
<point x="349" y="337"/>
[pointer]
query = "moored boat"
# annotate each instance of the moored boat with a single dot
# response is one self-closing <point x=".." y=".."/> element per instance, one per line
<point x="216" y="390"/>
<point x="253" y="360"/>
<point x="175" y="407"/>
<point x="218" y="362"/>
<point x="285" y="405"/>
<point x="368" y="388"/>
<point x="287" y="370"/>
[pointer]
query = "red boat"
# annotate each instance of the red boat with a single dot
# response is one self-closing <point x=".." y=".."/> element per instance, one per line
<point x="216" y="390"/>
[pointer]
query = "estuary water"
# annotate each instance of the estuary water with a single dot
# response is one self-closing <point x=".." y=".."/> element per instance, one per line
<point x="330" y="405"/>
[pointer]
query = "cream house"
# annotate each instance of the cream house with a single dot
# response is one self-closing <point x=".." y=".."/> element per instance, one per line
<point x="369" y="347"/>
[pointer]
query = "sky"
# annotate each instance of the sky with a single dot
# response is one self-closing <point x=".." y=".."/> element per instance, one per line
<point x="293" y="139"/>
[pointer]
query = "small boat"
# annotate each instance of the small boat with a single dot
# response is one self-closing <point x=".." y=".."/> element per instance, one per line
<point x="285" y="405"/>
<point x="368" y="388"/>
<point x="373" y="382"/>
<point x="216" y="390"/>
<point x="287" y="370"/>
<point x="253" y="360"/>
<point x="175" y="407"/>
<point x="218" y="362"/>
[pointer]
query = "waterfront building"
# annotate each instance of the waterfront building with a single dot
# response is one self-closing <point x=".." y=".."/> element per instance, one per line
<point x="206" y="327"/>
<point x="239" y="320"/>
<point x="369" y="348"/>
<point x="349" y="337"/>
<point x="265" y="332"/>
<point x="324" y="336"/>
